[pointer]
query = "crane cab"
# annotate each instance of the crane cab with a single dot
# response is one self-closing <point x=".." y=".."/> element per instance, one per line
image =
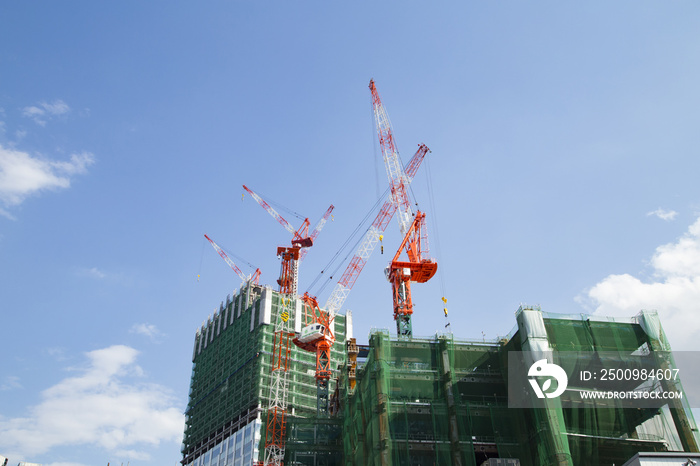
<point x="312" y="332"/>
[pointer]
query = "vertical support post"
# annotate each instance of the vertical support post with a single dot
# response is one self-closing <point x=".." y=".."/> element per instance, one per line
<point x="553" y="445"/>
<point x="446" y="367"/>
<point x="382" y="397"/>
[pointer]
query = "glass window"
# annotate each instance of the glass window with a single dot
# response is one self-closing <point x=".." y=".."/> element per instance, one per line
<point x="248" y="443"/>
<point x="207" y="459"/>
<point x="231" y="444"/>
<point x="238" y="455"/>
<point x="215" y="453"/>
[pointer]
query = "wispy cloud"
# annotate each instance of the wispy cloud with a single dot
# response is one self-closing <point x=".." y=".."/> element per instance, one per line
<point x="58" y="353"/>
<point x="44" y="111"/>
<point x="667" y="215"/>
<point x="105" y="406"/>
<point x="92" y="272"/>
<point x="149" y="330"/>
<point x="10" y="382"/>
<point x="674" y="290"/>
<point x="22" y="175"/>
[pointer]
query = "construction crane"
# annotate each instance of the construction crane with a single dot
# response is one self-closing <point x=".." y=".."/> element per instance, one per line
<point x="419" y="268"/>
<point x="372" y="237"/>
<point x="275" y="425"/>
<point x="317" y="335"/>
<point x="254" y="278"/>
<point x="300" y="241"/>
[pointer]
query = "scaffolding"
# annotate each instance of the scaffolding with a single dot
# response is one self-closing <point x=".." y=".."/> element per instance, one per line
<point x="441" y="400"/>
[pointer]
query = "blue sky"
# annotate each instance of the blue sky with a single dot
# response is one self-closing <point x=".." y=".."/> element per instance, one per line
<point x="563" y="170"/>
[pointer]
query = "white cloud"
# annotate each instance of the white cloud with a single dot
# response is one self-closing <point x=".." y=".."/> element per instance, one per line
<point x="66" y="464"/>
<point x="149" y="330"/>
<point x="22" y="175"/>
<point x="667" y="215"/>
<point x="101" y="407"/>
<point x="43" y="111"/>
<point x="674" y="290"/>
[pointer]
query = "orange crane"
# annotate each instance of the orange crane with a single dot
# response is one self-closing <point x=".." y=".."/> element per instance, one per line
<point x="254" y="278"/>
<point x="419" y="268"/>
<point x="317" y="335"/>
<point x="275" y="425"/>
<point x="301" y="240"/>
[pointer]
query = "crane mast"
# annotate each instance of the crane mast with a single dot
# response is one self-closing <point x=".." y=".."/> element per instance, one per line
<point x="419" y="268"/>
<point x="275" y="424"/>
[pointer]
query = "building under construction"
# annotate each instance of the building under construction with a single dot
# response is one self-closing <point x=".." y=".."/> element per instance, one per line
<point x="414" y="401"/>
<point x="231" y="380"/>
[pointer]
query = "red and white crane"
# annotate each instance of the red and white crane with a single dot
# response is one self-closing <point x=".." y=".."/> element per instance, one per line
<point x="289" y="278"/>
<point x="275" y="424"/>
<point x="317" y="334"/>
<point x="418" y="268"/>
<point x="254" y="278"/>
<point x="371" y="239"/>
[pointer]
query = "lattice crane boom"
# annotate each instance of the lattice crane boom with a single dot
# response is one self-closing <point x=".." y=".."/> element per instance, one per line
<point x="371" y="239"/>
<point x="301" y="236"/>
<point x="317" y="229"/>
<point x="397" y="177"/>
<point x="246" y="278"/>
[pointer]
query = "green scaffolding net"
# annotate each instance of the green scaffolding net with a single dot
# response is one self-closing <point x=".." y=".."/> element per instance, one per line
<point x="444" y="401"/>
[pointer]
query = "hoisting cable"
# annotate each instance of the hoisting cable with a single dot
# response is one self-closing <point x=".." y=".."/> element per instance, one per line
<point x="201" y="257"/>
<point x="438" y="251"/>
<point x="238" y="258"/>
<point x="279" y="206"/>
<point x="344" y="246"/>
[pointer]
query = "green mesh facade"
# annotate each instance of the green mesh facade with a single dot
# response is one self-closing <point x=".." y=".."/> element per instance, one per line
<point x="229" y="388"/>
<point x="444" y="401"/>
<point x="420" y="401"/>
